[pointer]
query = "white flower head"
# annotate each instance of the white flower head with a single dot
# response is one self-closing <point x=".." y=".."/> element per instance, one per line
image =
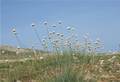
<point x="41" y="58"/>
<point x="18" y="47"/>
<point x="101" y="62"/>
<point x="54" y="25"/>
<point x="6" y="60"/>
<point x="113" y="57"/>
<point x="43" y="40"/>
<point x="53" y="32"/>
<point x="3" y="51"/>
<point x="61" y="35"/>
<point x="58" y="34"/>
<point x="89" y="43"/>
<point x="17" y="52"/>
<point x="59" y="22"/>
<point x="96" y="42"/>
<point x="50" y="33"/>
<point x="68" y="28"/>
<point x="98" y="39"/>
<point x="33" y="24"/>
<point x="14" y="31"/>
<point x="30" y="56"/>
<point x="56" y="41"/>
<point x="45" y="22"/>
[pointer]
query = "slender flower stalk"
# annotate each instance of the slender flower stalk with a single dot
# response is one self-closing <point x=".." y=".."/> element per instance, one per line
<point x="36" y="32"/>
<point x="34" y="52"/>
<point x="18" y="50"/>
<point x="45" y="42"/>
<point x="16" y="36"/>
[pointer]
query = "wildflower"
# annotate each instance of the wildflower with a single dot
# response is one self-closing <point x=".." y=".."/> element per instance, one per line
<point x="45" y="22"/>
<point x="53" y="25"/>
<point x="25" y="59"/>
<point x="14" y="31"/>
<point x="96" y="42"/>
<point x="41" y="58"/>
<point x="43" y="40"/>
<point x="88" y="43"/>
<point x="62" y="35"/>
<point x="33" y="24"/>
<point x="73" y="54"/>
<point x="3" y="51"/>
<point x="59" y="22"/>
<point x="68" y="28"/>
<point x="53" y="32"/>
<point x="18" y="81"/>
<point x="56" y="41"/>
<point x="6" y="60"/>
<point x="17" y="52"/>
<point x="30" y="56"/>
<point x="101" y="62"/>
<point x="98" y="39"/>
<point x="112" y="59"/>
<point x="58" y="34"/>
<point x="50" y="33"/>
<point x="18" y="47"/>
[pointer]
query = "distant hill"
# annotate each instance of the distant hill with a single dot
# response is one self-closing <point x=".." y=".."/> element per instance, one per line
<point x="13" y="49"/>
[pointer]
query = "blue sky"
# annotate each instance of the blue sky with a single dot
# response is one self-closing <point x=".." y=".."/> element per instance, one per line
<point x="99" y="18"/>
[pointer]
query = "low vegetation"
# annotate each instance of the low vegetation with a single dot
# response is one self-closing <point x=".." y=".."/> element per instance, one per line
<point x="62" y="68"/>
